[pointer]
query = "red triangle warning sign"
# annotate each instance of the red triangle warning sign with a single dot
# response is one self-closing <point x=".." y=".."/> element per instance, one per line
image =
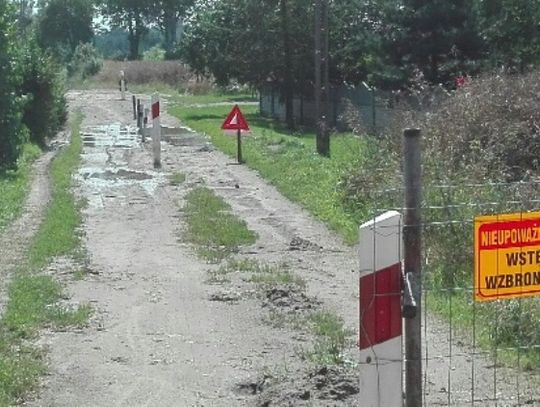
<point x="235" y="120"/>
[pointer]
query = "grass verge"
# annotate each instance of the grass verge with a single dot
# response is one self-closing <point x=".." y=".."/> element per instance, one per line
<point x="288" y="160"/>
<point x="14" y="185"/>
<point x="34" y="298"/>
<point x="211" y="226"/>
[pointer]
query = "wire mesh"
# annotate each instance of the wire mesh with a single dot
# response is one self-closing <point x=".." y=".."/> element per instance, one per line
<point x="474" y="354"/>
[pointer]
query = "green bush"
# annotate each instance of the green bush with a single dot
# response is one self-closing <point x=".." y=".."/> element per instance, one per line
<point x="478" y="144"/>
<point x="154" y="54"/>
<point x="45" y="109"/>
<point x="85" y="62"/>
<point x="11" y="135"/>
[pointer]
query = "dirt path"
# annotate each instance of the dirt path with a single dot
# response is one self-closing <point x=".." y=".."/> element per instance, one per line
<point x="14" y="240"/>
<point x="156" y="338"/>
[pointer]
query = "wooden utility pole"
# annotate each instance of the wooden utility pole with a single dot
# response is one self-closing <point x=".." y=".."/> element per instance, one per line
<point x="322" y="88"/>
<point x="412" y="261"/>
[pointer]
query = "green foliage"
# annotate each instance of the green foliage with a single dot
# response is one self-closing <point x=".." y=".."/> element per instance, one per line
<point x="45" y="108"/>
<point x="86" y="61"/>
<point x="35" y="299"/>
<point x="11" y="135"/>
<point x="244" y="41"/>
<point x="177" y="178"/>
<point x="479" y="144"/>
<point x="331" y="338"/>
<point x="512" y="31"/>
<point x="437" y="39"/>
<point x="14" y="185"/>
<point x="312" y="181"/>
<point x="64" y="24"/>
<point x="154" y="54"/>
<point x="212" y="227"/>
<point x="58" y="234"/>
<point x="133" y="15"/>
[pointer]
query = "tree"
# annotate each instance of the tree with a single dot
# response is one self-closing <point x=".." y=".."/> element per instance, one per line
<point x="435" y="38"/>
<point x="133" y="15"/>
<point x="169" y="14"/>
<point x="24" y="13"/>
<point x="253" y="42"/>
<point x="11" y="135"/>
<point x="512" y="31"/>
<point x="64" y="24"/>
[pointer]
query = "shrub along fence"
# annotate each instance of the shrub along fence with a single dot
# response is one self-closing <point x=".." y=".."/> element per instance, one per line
<point x="479" y="328"/>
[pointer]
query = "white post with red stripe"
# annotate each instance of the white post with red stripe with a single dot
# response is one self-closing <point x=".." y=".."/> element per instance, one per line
<point x="380" y="339"/>
<point x="156" y="130"/>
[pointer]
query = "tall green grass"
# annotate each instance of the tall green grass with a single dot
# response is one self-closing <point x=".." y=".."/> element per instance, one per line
<point x="288" y="160"/>
<point x="58" y="233"/>
<point x="211" y="226"/>
<point x="14" y="185"/>
<point x="34" y="297"/>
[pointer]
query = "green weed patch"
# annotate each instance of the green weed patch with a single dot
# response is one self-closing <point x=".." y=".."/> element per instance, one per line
<point x="288" y="161"/>
<point x="211" y="226"/>
<point x="14" y="185"/>
<point x="34" y="298"/>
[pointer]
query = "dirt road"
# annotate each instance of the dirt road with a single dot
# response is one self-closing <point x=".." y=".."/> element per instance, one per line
<point x="158" y="336"/>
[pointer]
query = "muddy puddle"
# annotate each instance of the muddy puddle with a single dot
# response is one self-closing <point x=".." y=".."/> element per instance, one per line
<point x="112" y="135"/>
<point x="106" y="171"/>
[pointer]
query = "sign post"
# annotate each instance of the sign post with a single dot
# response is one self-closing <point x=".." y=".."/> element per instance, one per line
<point x="235" y="121"/>
<point x="380" y="339"/>
<point x="156" y="131"/>
<point x="506" y="256"/>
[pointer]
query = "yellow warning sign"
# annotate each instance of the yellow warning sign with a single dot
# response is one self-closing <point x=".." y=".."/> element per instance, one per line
<point x="506" y="256"/>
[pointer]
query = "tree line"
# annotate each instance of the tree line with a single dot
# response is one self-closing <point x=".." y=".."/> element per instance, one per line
<point x="390" y="44"/>
<point x="386" y="43"/>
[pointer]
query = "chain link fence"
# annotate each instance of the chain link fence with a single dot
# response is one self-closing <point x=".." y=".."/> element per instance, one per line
<point x="473" y="353"/>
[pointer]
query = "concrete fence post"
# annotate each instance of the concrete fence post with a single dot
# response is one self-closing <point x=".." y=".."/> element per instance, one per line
<point x="380" y="341"/>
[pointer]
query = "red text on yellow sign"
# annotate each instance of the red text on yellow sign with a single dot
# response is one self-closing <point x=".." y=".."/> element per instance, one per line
<point x="507" y="256"/>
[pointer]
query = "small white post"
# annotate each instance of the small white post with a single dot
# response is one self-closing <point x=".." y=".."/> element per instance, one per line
<point x="381" y="355"/>
<point x="123" y="85"/>
<point x="156" y="130"/>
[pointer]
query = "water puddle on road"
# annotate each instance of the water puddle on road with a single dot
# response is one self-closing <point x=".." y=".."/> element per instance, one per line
<point x="105" y="172"/>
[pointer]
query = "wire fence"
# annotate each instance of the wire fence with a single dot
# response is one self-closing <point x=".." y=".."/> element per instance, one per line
<point x="473" y="353"/>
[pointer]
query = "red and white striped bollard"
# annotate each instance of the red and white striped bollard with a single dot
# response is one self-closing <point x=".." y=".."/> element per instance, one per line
<point x="380" y="342"/>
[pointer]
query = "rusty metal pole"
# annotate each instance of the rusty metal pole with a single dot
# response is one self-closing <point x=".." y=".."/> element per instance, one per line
<point x="412" y="259"/>
<point x="239" y="146"/>
<point x="134" y="101"/>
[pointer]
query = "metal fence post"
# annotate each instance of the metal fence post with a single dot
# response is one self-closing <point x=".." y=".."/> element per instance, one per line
<point x="413" y="264"/>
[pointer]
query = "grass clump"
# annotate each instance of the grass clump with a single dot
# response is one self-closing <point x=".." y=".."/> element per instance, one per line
<point x="177" y="178"/>
<point x="313" y="181"/>
<point x="277" y="277"/>
<point x="34" y="298"/>
<point x="212" y="227"/>
<point x="331" y="338"/>
<point x="14" y="185"/>
<point x="58" y="234"/>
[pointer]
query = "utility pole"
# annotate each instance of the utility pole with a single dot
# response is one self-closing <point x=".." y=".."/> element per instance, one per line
<point x="412" y="261"/>
<point x="322" y="88"/>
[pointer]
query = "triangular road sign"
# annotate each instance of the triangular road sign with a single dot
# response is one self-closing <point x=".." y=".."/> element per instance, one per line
<point x="235" y="120"/>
